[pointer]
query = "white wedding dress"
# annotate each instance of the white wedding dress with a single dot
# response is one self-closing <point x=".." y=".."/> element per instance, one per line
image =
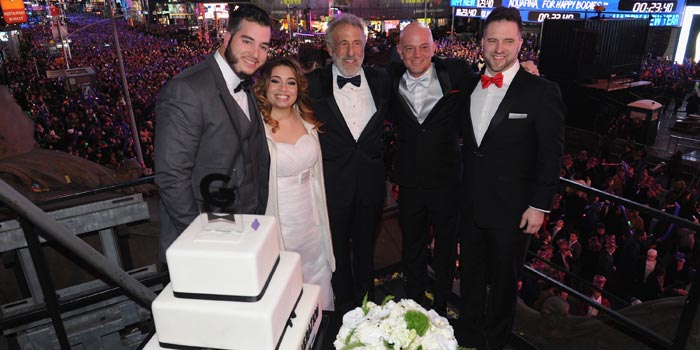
<point x="298" y="213"/>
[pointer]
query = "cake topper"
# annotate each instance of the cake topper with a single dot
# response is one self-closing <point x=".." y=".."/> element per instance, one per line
<point x="218" y="192"/>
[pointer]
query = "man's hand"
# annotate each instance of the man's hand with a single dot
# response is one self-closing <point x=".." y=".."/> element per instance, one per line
<point x="530" y="67"/>
<point x="531" y="221"/>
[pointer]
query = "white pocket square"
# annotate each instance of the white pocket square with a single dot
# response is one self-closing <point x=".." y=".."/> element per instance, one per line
<point x="517" y="116"/>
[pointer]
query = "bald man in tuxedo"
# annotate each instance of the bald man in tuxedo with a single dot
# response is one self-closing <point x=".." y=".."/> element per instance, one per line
<point x="428" y="165"/>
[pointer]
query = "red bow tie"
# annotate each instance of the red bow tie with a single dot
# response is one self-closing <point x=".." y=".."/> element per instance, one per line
<point x="487" y="80"/>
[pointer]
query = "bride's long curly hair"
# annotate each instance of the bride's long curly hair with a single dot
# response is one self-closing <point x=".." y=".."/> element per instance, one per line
<point x="301" y="105"/>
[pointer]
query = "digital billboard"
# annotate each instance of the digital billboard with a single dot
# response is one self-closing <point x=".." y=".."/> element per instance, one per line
<point x="13" y="11"/>
<point x="663" y="13"/>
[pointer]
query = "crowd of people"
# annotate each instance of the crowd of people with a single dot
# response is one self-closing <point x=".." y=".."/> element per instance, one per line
<point x="93" y="123"/>
<point x="97" y="126"/>
<point x="628" y="255"/>
<point x="579" y="234"/>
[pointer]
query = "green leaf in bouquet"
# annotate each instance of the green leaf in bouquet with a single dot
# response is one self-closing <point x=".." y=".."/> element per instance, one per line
<point x="349" y="345"/>
<point x="357" y="344"/>
<point x="417" y="321"/>
<point x="347" y="339"/>
<point x="386" y="299"/>
<point x="365" y="307"/>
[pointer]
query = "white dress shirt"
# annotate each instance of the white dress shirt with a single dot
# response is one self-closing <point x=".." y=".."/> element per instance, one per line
<point x="232" y="81"/>
<point x="422" y="93"/>
<point x="355" y="103"/>
<point x="485" y="102"/>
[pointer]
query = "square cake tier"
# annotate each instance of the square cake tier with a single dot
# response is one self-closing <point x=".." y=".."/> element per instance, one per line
<point x="219" y="324"/>
<point x="300" y="334"/>
<point x="235" y="264"/>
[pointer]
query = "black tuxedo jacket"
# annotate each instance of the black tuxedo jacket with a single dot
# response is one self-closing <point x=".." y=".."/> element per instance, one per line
<point x="353" y="170"/>
<point x="428" y="154"/>
<point x="517" y="164"/>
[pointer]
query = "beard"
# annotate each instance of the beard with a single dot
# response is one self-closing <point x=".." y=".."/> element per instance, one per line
<point x="345" y="69"/>
<point x="232" y="61"/>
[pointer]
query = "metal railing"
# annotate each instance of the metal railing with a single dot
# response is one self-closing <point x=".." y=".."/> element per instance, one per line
<point x="641" y="333"/>
<point x="578" y="279"/>
<point x="632" y="328"/>
<point x="680" y="140"/>
<point x="35" y="222"/>
<point x="137" y="290"/>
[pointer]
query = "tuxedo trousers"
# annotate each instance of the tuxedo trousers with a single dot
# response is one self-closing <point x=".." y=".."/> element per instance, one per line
<point x="493" y="257"/>
<point x="352" y="232"/>
<point x="419" y="210"/>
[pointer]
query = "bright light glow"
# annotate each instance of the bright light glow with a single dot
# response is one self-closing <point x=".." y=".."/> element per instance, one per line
<point x="688" y="14"/>
<point x="697" y="47"/>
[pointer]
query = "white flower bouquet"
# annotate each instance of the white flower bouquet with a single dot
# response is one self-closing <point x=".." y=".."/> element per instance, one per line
<point x="394" y="326"/>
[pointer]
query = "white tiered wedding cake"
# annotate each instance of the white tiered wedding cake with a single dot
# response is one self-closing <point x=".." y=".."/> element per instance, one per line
<point x="235" y="290"/>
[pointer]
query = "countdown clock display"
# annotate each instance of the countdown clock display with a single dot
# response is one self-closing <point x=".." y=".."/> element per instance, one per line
<point x="647" y="6"/>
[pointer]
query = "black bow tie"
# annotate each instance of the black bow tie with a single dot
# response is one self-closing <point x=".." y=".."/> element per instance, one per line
<point x="343" y="80"/>
<point x="243" y="85"/>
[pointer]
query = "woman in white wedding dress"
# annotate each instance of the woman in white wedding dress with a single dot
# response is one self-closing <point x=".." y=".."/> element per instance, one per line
<point x="297" y="193"/>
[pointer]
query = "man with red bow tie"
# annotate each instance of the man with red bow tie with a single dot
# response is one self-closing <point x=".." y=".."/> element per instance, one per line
<point x="513" y="145"/>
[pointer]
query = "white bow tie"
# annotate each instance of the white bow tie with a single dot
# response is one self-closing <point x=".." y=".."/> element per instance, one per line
<point x="412" y="83"/>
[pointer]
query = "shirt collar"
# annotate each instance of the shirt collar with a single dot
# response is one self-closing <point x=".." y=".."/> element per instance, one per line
<point x="427" y="75"/>
<point x="231" y="79"/>
<point x="336" y="73"/>
<point x="508" y="74"/>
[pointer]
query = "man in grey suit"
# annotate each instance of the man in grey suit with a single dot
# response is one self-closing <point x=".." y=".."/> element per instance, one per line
<point x="207" y="121"/>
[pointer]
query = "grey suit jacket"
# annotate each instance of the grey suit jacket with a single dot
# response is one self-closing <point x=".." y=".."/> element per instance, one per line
<point x="197" y="131"/>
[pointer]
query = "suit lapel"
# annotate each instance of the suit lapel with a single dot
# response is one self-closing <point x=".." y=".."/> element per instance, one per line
<point x="224" y="94"/>
<point x="504" y="107"/>
<point x="445" y="85"/>
<point x="443" y="76"/>
<point x="470" y="121"/>
<point x="396" y="81"/>
<point x="374" y="83"/>
<point x="374" y="87"/>
<point x="327" y="79"/>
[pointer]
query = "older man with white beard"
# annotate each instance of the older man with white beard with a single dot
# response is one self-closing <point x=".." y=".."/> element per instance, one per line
<point x="351" y="103"/>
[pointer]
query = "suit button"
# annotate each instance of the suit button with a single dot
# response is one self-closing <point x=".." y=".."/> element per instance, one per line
<point x="423" y="130"/>
<point x="478" y="154"/>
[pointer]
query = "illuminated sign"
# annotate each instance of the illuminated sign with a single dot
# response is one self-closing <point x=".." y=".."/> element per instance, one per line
<point x="648" y="6"/>
<point x="662" y="12"/>
<point x="462" y="12"/>
<point x="13" y="11"/>
<point x="657" y="19"/>
<point x="540" y="16"/>
<point x="219" y="10"/>
<point x="476" y="3"/>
